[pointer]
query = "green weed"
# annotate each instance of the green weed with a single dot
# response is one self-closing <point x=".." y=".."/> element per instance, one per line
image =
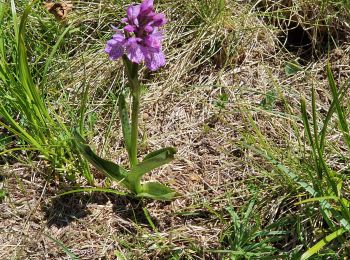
<point x="24" y="112"/>
<point x="314" y="175"/>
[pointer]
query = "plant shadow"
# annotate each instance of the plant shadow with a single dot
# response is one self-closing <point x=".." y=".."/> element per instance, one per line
<point x="63" y="210"/>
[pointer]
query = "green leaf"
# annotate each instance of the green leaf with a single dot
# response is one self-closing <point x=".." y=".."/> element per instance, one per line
<point x="124" y="119"/>
<point x="112" y="170"/>
<point x="151" y="162"/>
<point x="222" y="101"/>
<point x="292" y="68"/>
<point x="269" y="100"/>
<point x="320" y="244"/>
<point x="156" y="191"/>
<point x="2" y="194"/>
<point x="161" y="152"/>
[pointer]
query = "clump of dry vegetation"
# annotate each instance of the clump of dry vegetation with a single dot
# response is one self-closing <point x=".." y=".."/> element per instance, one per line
<point x="229" y="100"/>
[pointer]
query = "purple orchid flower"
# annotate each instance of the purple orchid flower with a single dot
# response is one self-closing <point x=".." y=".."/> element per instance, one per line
<point x="140" y="38"/>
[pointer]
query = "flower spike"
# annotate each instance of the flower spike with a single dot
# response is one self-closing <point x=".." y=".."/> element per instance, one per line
<point x="141" y="39"/>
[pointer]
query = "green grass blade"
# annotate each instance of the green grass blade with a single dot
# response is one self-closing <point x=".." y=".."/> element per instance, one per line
<point x="149" y="219"/>
<point x="63" y="247"/>
<point x="342" y="119"/>
<point x="79" y="190"/>
<point x="309" y="135"/>
<point x="248" y="212"/>
<point x="314" y="117"/>
<point x="330" y="113"/>
<point x="235" y="220"/>
<point x="326" y="207"/>
<point x="3" y="11"/>
<point x="319" y="245"/>
<point x="15" y="19"/>
<point x="286" y="171"/>
<point x="315" y="134"/>
<point x="25" y="75"/>
<point x="17" y="129"/>
<point x="52" y="53"/>
<point x="317" y="199"/>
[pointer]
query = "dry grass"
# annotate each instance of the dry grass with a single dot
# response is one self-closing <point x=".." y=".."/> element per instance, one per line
<point x="236" y="54"/>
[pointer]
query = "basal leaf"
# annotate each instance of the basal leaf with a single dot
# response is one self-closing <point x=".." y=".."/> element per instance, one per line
<point x="151" y="162"/>
<point x="157" y="191"/>
<point x="161" y="152"/>
<point x="112" y="170"/>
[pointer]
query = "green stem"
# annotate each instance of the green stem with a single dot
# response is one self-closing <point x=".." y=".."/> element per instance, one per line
<point x="134" y="125"/>
<point x="134" y="84"/>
